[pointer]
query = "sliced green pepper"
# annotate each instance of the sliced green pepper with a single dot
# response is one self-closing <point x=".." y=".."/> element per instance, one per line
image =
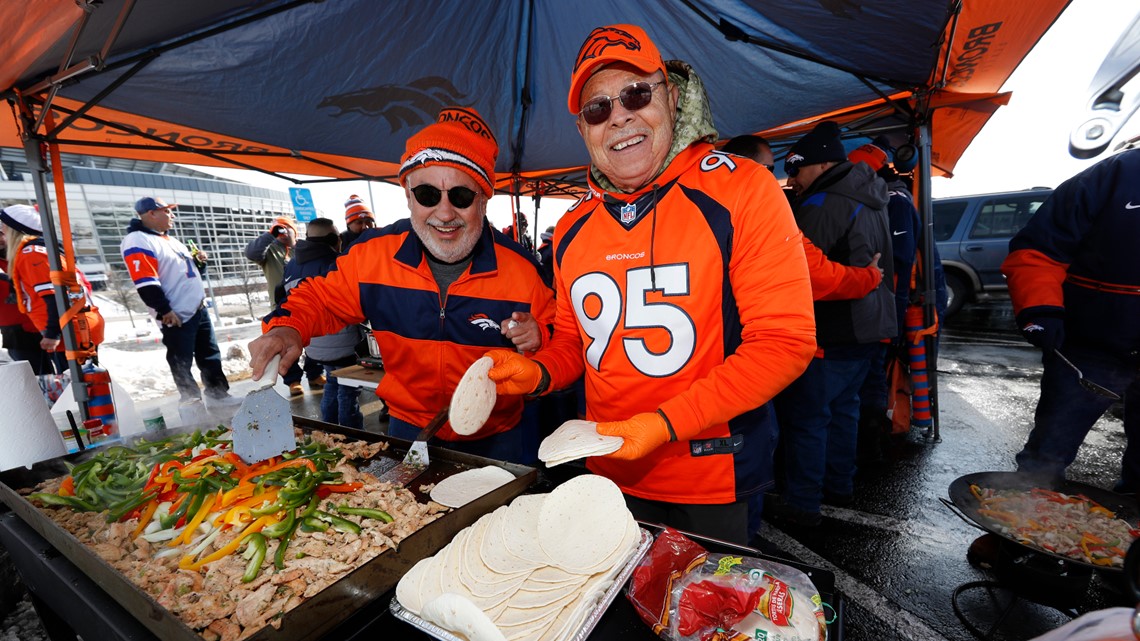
<point x="313" y="524"/>
<point x="282" y="527"/>
<point x="340" y="525"/>
<point x="366" y="512"/>
<point x="255" y="552"/>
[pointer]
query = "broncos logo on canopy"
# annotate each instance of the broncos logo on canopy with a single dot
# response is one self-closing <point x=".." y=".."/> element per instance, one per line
<point x="603" y="38"/>
<point x="413" y="105"/>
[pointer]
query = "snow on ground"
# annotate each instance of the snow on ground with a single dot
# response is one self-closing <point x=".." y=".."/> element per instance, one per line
<point x="134" y="354"/>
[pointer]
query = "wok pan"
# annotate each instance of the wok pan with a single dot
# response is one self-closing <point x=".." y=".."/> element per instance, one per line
<point x="967" y="507"/>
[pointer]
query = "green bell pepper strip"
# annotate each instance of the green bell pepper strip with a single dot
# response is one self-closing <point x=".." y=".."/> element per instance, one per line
<point x="313" y="524"/>
<point x="340" y="525"/>
<point x="257" y="544"/>
<point x="282" y="527"/>
<point x="366" y="512"/>
<point x="279" y="555"/>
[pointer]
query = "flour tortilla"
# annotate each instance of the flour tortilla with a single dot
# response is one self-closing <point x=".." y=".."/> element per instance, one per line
<point x="574" y="440"/>
<point x="407" y="590"/>
<point x="520" y="528"/>
<point x="582" y="522"/>
<point x="474" y="398"/>
<point x="457" y="614"/>
<point x="462" y="488"/>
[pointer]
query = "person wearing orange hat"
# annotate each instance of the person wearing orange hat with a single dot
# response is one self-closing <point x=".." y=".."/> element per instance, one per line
<point x="682" y="293"/>
<point x="358" y="217"/>
<point x="272" y="251"/>
<point x="438" y="288"/>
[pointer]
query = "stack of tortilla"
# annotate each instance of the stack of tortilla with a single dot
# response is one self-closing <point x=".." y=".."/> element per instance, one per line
<point x="574" y="440"/>
<point x="533" y="569"/>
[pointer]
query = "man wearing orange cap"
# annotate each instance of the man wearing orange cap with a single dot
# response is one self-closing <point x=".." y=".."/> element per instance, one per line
<point x="439" y="289"/>
<point x="358" y="217"/>
<point x="682" y="293"/>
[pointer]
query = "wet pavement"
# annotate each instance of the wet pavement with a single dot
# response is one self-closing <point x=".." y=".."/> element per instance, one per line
<point x="897" y="552"/>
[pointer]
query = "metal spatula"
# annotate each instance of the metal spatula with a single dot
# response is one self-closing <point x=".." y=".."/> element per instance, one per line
<point x="1095" y="388"/>
<point x="263" y="425"/>
<point x="415" y="461"/>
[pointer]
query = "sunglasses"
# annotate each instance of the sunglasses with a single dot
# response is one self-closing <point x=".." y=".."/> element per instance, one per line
<point x="429" y="196"/>
<point x="633" y="97"/>
<point x="791" y="171"/>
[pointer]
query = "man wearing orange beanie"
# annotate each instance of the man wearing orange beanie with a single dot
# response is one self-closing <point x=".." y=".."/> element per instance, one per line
<point x="439" y="288"/>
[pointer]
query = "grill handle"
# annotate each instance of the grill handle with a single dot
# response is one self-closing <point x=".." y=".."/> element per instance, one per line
<point x="958" y="513"/>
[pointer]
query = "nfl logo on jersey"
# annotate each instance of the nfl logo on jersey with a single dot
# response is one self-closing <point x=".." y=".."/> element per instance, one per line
<point x="628" y="213"/>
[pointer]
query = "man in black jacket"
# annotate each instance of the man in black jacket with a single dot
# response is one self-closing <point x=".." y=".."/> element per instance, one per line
<point x="842" y="208"/>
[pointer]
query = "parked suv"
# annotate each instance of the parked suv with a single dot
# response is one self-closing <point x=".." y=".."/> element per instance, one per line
<point x="973" y="234"/>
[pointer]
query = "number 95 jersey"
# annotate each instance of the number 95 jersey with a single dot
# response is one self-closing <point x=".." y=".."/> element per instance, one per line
<point x="691" y="296"/>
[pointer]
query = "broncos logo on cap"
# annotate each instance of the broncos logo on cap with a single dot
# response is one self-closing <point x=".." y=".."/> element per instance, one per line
<point x="401" y="106"/>
<point x="603" y="38"/>
<point x="469" y="119"/>
<point x="483" y="321"/>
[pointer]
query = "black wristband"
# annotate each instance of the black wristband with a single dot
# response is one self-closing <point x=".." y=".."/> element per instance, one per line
<point x="543" y="383"/>
<point x="668" y="426"/>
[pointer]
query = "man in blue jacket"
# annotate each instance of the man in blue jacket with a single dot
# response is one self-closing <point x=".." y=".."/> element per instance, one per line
<point x="1074" y="277"/>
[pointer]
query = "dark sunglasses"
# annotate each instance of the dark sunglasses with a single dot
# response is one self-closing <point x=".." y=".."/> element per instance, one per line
<point x="429" y="196"/>
<point x="791" y="171"/>
<point x="632" y="97"/>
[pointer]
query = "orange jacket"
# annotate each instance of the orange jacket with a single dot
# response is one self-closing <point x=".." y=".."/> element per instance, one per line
<point x="35" y="294"/>
<point x="699" y="305"/>
<point x="427" y="344"/>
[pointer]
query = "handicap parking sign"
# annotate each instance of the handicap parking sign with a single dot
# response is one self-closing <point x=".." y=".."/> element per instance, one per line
<point x="303" y="205"/>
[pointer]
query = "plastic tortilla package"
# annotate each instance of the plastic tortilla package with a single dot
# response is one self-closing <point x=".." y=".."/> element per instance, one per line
<point x="688" y="594"/>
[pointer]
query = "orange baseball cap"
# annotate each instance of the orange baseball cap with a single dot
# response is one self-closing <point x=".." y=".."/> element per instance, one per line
<point x="605" y="45"/>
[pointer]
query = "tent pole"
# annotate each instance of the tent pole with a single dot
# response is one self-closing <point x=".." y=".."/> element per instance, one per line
<point x="929" y="309"/>
<point x="34" y="157"/>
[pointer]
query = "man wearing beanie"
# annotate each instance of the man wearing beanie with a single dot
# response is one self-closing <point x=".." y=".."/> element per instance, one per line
<point x="272" y="251"/>
<point x="682" y="294"/>
<point x="842" y="208"/>
<point x="358" y="217"/>
<point x="439" y="289"/>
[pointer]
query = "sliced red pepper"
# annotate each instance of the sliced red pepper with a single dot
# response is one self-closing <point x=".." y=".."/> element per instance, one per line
<point x="325" y="490"/>
<point x="67" y="487"/>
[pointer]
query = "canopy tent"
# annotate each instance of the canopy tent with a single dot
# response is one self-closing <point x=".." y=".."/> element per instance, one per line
<point x="334" y="88"/>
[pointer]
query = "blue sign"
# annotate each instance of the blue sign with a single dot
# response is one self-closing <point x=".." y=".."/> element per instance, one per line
<point x="303" y="205"/>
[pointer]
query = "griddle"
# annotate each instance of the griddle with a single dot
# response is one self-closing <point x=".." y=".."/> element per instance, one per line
<point x="317" y="615"/>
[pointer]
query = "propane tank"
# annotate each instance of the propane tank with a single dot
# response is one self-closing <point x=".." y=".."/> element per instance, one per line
<point x="100" y="403"/>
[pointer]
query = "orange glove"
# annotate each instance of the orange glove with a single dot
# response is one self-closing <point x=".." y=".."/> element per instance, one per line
<point x="642" y="433"/>
<point x="515" y="374"/>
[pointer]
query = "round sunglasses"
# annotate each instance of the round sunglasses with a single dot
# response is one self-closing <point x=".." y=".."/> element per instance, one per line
<point x="430" y="195"/>
<point x="633" y="97"/>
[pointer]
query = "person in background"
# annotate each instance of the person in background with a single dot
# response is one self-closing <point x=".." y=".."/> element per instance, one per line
<point x="439" y="289"/>
<point x="18" y="331"/>
<point x="1074" y="279"/>
<point x="169" y="283"/>
<point x="357" y="217"/>
<point x="546" y="254"/>
<point x="316" y="256"/>
<point x="272" y="251"/>
<point x="829" y="281"/>
<point x="842" y="208"/>
<point x="30" y="274"/>
<point x="755" y="147"/>
<point x="682" y="293"/>
<point x="906" y="241"/>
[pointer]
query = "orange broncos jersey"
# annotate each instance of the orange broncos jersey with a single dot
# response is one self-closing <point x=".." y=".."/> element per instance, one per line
<point x="427" y="343"/>
<point x="691" y="296"/>
<point x="31" y="278"/>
